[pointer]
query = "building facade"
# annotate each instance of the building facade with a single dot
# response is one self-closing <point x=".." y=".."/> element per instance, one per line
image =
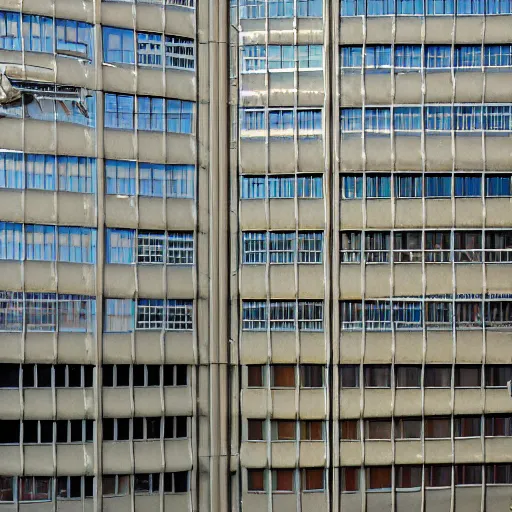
<point x="255" y="256"/>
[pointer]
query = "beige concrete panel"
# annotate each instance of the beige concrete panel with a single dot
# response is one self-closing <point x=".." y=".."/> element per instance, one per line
<point x="311" y="89"/>
<point x="253" y="348"/>
<point x="282" y="281"/>
<point x="75" y="459"/>
<point x="499" y="278"/>
<point x="498" y="349"/>
<point x="251" y="29"/>
<point x="469" y="347"/>
<point x="408" y="452"/>
<point x="119" y="144"/>
<point x="352" y="502"/>
<point x="40" y="136"/>
<point x="10" y="346"/>
<point x="180" y="214"/>
<point x="76" y="209"/>
<point x="311" y="155"/>
<point x="253" y="454"/>
<point x="83" y="11"/>
<point x="408" y="153"/>
<point x="148" y="347"/>
<point x="378" y="279"/>
<point x="252" y="155"/>
<point x="313" y="404"/>
<point x="438" y="153"/>
<point x="378" y="213"/>
<point x="468" y="499"/>
<point x="468" y="212"/>
<point x="40" y="207"/>
<point x="178" y="401"/>
<point x="76" y="278"/>
<point x="468" y="278"/>
<point x="437" y="500"/>
<point x="469" y="86"/>
<point x="46" y="62"/>
<point x="255" y="403"/>
<point x="281" y="155"/>
<point x="75" y="506"/>
<point x="407" y="501"/>
<point x="75" y="72"/>
<point x="315" y="501"/>
<point x="438" y="401"/>
<point x="281" y="89"/>
<point x="120" y="211"/>
<point x="438" y="86"/>
<point x="282" y="214"/>
<point x="11" y="208"/>
<point x="310" y="30"/>
<point x="180" y="281"/>
<point x="497" y="449"/>
<point x="408" y="86"/>
<point x="152" y="213"/>
<point x="253" y="90"/>
<point x="468" y="451"/>
<point x="378" y="347"/>
<point x="311" y="213"/>
<point x="379" y="30"/>
<point x="117" y="348"/>
<point x="312" y="454"/>
<point x="12" y="131"/>
<point x="10" y="460"/>
<point x="497" y="401"/>
<point x="10" y="275"/>
<point x="408" y="279"/>
<point x="150" y="81"/>
<point x="378" y="89"/>
<point x="75" y="403"/>
<point x="350" y="403"/>
<point x="438" y="451"/>
<point x="116" y="457"/>
<point x="469" y="29"/>
<point x="151" y="146"/>
<point x="151" y="280"/>
<point x="497" y="87"/>
<point x="351" y="92"/>
<point x="120" y="280"/>
<point x="120" y="77"/>
<point x="438" y="278"/>
<point x="253" y="215"/>
<point x="351" y="147"/>
<point x="40" y="276"/>
<point x="38" y="460"/>
<point x="497" y="29"/>
<point x="408" y="29"/>
<point x="148" y="456"/>
<point x="439" y="347"/>
<point x="178" y="21"/>
<point x="311" y="281"/>
<point x="117" y="503"/>
<point x="351" y="31"/>
<point x="378" y="453"/>
<point x="284" y="454"/>
<point x="351" y="453"/>
<point x="11" y="404"/>
<point x="282" y="30"/>
<point x="379" y="501"/>
<point x="148" y="502"/>
<point x="468" y="401"/>
<point x="179" y="348"/>
<point x="377" y="402"/>
<point x="174" y="502"/>
<point x="351" y="214"/>
<point x="350" y="347"/>
<point x="498" y="213"/>
<point x="76" y="347"/>
<point x="283" y="347"/>
<point x="313" y="348"/>
<point x="117" y="403"/>
<point x="408" y="347"/>
<point x="350" y="281"/>
<point x="147" y="401"/>
<point x="73" y="139"/>
<point x="468" y="152"/>
<point x="284" y="502"/>
<point x="407" y="402"/>
<point x="178" y="455"/>
<point x="439" y="213"/>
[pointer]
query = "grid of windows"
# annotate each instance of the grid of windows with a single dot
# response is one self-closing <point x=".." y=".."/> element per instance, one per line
<point x="281" y="57"/>
<point x="302" y="186"/>
<point x="125" y="315"/>
<point x="286" y="480"/>
<point x="282" y="247"/>
<point x="46" y="375"/>
<point x="46" y="431"/>
<point x="436" y="118"/>
<point x="283" y="315"/>
<point x="145" y="429"/>
<point x="144" y="375"/>
<point x="422" y="7"/>
<point x="124" y="46"/>
<point x="41" y="311"/>
<point x="281" y="122"/>
<point x="148" y="113"/>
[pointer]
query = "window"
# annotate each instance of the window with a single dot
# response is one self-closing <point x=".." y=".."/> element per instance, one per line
<point x="283" y="480"/>
<point x="34" y="488"/>
<point x="498" y="55"/>
<point x="408" y="186"/>
<point x="255" y="375"/>
<point x="378" y="186"/>
<point x="11" y="166"/>
<point x="180" y="181"/>
<point x="313" y="479"/>
<point x="378" y="478"/>
<point x="438" y="186"/>
<point x="254" y="58"/>
<point x="147" y="428"/>
<point x="69" y="487"/>
<point x="408" y="477"/>
<point x="119" y="111"/>
<point x="150" y="117"/>
<point x="312" y="375"/>
<point x="437" y="246"/>
<point x="468" y="186"/>
<point x="351" y="247"/>
<point x="175" y="375"/>
<point x="179" y="315"/>
<point x="175" y="315"/>
<point x="377" y="246"/>
<point x="468" y="474"/>
<point x="77" y="245"/>
<point x="467" y="426"/>
<point x="351" y="315"/>
<point x="438" y="118"/>
<point x="146" y="483"/>
<point x="438" y="428"/>
<point x="283" y="430"/>
<point x="497" y="375"/>
<point x="498" y="426"/>
<point x="281" y="247"/>
<point x="496" y="186"/>
<point x="352" y="187"/>
<point x="438" y="476"/>
<point x="256" y="430"/>
<point x="9" y="375"/>
<point x="350" y="430"/>
<point x="74" y="38"/>
<point x="440" y="7"/>
<point x="468" y="315"/>
<point x="40" y="243"/>
<point x="408" y="428"/>
<point x="438" y="315"/>
<point x="351" y="57"/>
<point x="40" y="172"/>
<point x="120" y="177"/>
<point x="254" y="247"/>
<point x="498" y="473"/>
<point x="177" y="482"/>
<point x="438" y="57"/>
<point x="467" y="376"/>
<point x="310" y="247"/>
<point x="179" y="52"/>
<point x="351" y="120"/>
<point x="349" y="375"/>
<point x="180" y="248"/>
<point x="377" y="120"/>
<point x="311" y="430"/>
<point x="116" y="485"/>
<point x="120" y="246"/>
<point x="76" y="174"/>
<point x="10" y="31"/>
<point x="377" y="315"/>
<point x="377" y="376"/>
<point x="468" y="246"/>
<point x="11" y="241"/>
<point x="309" y="187"/>
<point x="498" y="246"/>
<point x="256" y="480"/>
<point x="119" y="315"/>
<point x="282" y="376"/>
<point x="438" y="376"/>
<point x="350" y="479"/>
<point x="180" y="116"/>
<point x="408" y="376"/>
<point x="407" y="247"/>
<point x="378" y="429"/>
<point x="468" y="56"/>
<point x="281" y="187"/>
<point x="409" y="56"/>
<point x="118" y="45"/>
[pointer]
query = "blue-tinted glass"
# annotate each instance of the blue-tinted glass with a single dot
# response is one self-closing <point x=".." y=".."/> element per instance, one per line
<point x="440" y="6"/>
<point x="10" y="31"/>
<point x="11" y="241"/>
<point x="11" y="170"/>
<point x="378" y="186"/>
<point x="468" y="56"/>
<point x="470" y="6"/>
<point x="351" y="120"/>
<point x="409" y="7"/>
<point x="378" y="57"/>
<point x="499" y="186"/>
<point x="468" y="186"/>
<point x="38" y="33"/>
<point x="438" y="186"/>
<point x="438" y="57"/>
<point x="120" y="246"/>
<point x="352" y="187"/>
<point x="408" y="56"/>
<point x="118" y="45"/>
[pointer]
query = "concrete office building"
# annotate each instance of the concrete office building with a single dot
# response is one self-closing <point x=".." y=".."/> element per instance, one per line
<point x="255" y="256"/>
